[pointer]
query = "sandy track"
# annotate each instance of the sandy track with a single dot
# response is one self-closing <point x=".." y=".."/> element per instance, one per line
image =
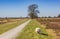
<point x="13" y="33"/>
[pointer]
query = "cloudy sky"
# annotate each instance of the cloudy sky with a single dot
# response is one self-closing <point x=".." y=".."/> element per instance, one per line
<point x="17" y="8"/>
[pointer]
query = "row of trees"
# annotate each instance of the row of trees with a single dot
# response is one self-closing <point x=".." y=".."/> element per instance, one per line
<point x="51" y="17"/>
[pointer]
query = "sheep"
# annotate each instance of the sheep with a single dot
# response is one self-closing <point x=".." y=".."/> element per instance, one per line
<point x="38" y="30"/>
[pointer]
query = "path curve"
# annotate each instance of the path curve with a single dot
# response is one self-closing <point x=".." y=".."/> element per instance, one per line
<point x="13" y="33"/>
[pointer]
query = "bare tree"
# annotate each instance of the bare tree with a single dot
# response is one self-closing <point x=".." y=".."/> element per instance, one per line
<point x="33" y="12"/>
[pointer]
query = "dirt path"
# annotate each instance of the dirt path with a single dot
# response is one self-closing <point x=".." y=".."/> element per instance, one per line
<point x="11" y="34"/>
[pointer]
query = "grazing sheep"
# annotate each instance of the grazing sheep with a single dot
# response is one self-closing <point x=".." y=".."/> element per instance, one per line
<point x="38" y="30"/>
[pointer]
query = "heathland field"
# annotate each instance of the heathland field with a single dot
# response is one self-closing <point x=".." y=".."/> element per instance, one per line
<point x="52" y="25"/>
<point x="6" y="25"/>
<point x="49" y="26"/>
<point x="29" y="32"/>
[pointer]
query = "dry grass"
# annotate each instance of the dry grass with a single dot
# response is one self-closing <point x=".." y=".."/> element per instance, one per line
<point x="7" y="26"/>
<point x="52" y="26"/>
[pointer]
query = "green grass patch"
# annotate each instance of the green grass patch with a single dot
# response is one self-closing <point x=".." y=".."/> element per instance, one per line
<point x="29" y="32"/>
<point x="7" y="26"/>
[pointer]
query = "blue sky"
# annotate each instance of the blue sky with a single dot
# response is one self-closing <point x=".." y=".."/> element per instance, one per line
<point x="17" y="8"/>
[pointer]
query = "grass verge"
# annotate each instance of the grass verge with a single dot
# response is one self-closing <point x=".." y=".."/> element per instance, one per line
<point x="29" y="32"/>
<point x="10" y="25"/>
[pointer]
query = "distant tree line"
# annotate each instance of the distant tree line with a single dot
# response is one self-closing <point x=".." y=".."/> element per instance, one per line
<point x="50" y="16"/>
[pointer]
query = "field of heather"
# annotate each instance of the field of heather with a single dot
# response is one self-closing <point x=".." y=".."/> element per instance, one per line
<point x="51" y="23"/>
